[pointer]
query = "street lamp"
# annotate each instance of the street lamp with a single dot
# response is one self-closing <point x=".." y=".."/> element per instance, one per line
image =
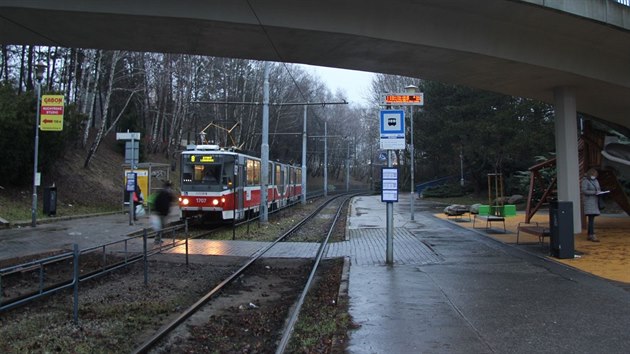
<point x="40" y="67"/>
<point x="411" y="89"/>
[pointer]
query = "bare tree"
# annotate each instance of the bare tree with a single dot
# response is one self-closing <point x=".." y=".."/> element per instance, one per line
<point x="103" y="127"/>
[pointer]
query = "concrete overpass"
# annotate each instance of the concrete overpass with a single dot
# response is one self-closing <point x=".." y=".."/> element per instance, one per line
<point x="574" y="54"/>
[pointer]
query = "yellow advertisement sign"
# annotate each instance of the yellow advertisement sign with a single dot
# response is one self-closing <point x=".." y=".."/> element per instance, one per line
<point x="142" y="180"/>
<point x="51" y="113"/>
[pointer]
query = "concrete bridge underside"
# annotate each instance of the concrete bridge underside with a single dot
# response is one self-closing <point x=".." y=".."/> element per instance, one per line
<point x="573" y="54"/>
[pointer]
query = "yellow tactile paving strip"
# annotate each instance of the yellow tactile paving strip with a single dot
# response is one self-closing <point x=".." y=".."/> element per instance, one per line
<point x="608" y="259"/>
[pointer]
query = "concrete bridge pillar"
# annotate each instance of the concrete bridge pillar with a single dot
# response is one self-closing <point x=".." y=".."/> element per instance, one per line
<point x="567" y="161"/>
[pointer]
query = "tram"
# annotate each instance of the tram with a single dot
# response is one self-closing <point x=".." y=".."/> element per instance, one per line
<point x="224" y="185"/>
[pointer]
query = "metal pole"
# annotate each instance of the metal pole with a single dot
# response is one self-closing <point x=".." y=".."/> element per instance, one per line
<point x="38" y="87"/>
<point x="461" y="165"/>
<point x="131" y="206"/>
<point x="390" y="222"/>
<point x="371" y="168"/>
<point x="413" y="197"/>
<point x="304" y="158"/>
<point x="264" y="148"/>
<point x="348" y="167"/>
<point x="75" y="288"/>
<point x="325" y="159"/>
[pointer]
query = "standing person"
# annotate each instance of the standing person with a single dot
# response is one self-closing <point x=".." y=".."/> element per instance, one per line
<point x="162" y="207"/>
<point x="590" y="189"/>
<point x="138" y="199"/>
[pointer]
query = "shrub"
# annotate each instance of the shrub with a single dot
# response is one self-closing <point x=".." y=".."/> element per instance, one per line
<point x="444" y="191"/>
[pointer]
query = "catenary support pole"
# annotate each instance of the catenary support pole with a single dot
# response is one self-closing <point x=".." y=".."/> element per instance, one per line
<point x="304" y="158"/>
<point x="264" y="148"/>
<point x="325" y="159"/>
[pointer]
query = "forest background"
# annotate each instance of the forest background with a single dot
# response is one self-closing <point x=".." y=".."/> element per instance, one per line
<point x="170" y="98"/>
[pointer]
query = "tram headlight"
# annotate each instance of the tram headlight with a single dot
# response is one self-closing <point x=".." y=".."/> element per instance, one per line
<point x="184" y="201"/>
<point x="222" y="200"/>
<point x="215" y="202"/>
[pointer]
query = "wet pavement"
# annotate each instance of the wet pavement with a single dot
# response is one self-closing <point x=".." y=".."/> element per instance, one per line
<point x="482" y="296"/>
<point x="450" y="290"/>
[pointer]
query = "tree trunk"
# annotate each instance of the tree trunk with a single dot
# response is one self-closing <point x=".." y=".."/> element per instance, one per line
<point x="103" y="127"/>
<point x="90" y="99"/>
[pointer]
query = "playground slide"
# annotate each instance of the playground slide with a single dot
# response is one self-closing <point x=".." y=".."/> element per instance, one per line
<point x="616" y="155"/>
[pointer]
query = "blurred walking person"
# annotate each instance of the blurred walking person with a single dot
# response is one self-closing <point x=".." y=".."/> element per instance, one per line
<point x="162" y="203"/>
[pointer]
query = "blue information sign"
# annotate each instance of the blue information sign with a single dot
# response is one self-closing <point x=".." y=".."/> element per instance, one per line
<point x="131" y="182"/>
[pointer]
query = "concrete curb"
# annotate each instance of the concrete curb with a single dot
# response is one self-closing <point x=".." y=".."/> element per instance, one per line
<point x="49" y="220"/>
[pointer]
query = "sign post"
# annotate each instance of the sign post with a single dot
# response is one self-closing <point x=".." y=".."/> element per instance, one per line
<point x="392" y="131"/>
<point x="133" y="158"/>
<point x="389" y="194"/>
<point x="407" y="99"/>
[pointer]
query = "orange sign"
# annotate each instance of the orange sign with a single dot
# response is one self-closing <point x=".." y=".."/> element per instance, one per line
<point x="51" y="113"/>
<point x="403" y="99"/>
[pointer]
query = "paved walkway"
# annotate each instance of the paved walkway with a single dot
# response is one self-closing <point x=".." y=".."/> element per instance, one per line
<point x="478" y="296"/>
<point x="450" y="290"/>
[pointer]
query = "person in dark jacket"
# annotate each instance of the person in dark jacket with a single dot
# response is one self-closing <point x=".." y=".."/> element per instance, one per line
<point x="162" y="205"/>
<point x="590" y="201"/>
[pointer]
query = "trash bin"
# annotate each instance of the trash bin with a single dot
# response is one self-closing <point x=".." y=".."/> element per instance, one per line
<point x="561" y="243"/>
<point x="50" y="200"/>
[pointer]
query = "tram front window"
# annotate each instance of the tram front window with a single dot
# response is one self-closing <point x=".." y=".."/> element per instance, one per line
<point x="199" y="177"/>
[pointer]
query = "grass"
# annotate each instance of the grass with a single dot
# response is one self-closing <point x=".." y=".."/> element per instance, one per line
<point x="15" y="209"/>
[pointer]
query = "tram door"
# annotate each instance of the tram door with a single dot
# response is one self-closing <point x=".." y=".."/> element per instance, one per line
<point x="239" y="179"/>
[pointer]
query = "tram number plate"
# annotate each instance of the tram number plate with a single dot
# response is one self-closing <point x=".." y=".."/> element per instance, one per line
<point x="202" y="200"/>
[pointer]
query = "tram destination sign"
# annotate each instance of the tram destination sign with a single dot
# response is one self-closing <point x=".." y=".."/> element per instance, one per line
<point x="402" y="99"/>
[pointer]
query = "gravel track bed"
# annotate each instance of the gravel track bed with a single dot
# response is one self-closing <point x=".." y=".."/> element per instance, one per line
<point x="118" y="312"/>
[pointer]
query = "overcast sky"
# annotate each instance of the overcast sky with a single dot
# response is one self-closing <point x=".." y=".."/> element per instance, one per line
<point x="355" y="84"/>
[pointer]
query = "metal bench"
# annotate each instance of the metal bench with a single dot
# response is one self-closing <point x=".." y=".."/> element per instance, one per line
<point x="533" y="229"/>
<point x="489" y="220"/>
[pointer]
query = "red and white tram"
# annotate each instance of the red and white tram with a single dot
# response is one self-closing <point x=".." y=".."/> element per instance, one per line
<point x="221" y="185"/>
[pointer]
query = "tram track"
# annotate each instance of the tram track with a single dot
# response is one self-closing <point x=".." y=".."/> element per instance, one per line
<point x="122" y="296"/>
<point x="153" y="343"/>
<point x="54" y="273"/>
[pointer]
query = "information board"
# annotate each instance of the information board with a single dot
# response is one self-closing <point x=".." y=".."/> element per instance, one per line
<point x="389" y="190"/>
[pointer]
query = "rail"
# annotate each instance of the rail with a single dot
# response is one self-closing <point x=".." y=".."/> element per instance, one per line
<point x="288" y="330"/>
<point x="122" y="246"/>
<point x="168" y="328"/>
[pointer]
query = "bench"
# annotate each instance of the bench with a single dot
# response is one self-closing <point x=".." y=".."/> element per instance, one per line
<point x="489" y="220"/>
<point x="457" y="212"/>
<point x="495" y="213"/>
<point x="533" y="229"/>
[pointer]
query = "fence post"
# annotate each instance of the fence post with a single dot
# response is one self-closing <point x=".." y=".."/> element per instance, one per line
<point x="75" y="250"/>
<point x="145" y="260"/>
<point x="186" y="235"/>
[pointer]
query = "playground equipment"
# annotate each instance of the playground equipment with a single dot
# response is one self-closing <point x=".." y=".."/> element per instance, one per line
<point x="495" y="193"/>
<point x="596" y="150"/>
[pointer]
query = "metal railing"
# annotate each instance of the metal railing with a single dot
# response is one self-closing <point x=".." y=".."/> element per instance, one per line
<point x="131" y="256"/>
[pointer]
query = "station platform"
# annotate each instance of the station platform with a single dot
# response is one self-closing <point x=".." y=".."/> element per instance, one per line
<point x="480" y="294"/>
<point x="451" y="289"/>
